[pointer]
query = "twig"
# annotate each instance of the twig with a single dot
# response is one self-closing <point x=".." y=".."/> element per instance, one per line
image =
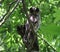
<point x="46" y="42"/>
<point x="9" y="12"/>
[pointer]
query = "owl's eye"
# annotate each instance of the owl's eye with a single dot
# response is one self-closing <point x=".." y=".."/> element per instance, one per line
<point x="37" y="9"/>
<point x="31" y="10"/>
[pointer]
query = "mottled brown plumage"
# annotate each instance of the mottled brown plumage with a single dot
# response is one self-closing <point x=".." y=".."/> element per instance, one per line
<point x="28" y="36"/>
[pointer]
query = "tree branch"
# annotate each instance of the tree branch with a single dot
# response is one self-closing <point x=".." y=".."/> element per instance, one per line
<point x="9" y="11"/>
<point x="25" y="10"/>
<point x="31" y="26"/>
<point x="46" y="42"/>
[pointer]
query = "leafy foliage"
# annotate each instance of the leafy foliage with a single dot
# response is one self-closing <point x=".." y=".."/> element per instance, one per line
<point x="10" y="41"/>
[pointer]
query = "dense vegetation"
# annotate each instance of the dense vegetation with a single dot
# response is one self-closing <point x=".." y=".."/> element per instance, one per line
<point x="49" y="30"/>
